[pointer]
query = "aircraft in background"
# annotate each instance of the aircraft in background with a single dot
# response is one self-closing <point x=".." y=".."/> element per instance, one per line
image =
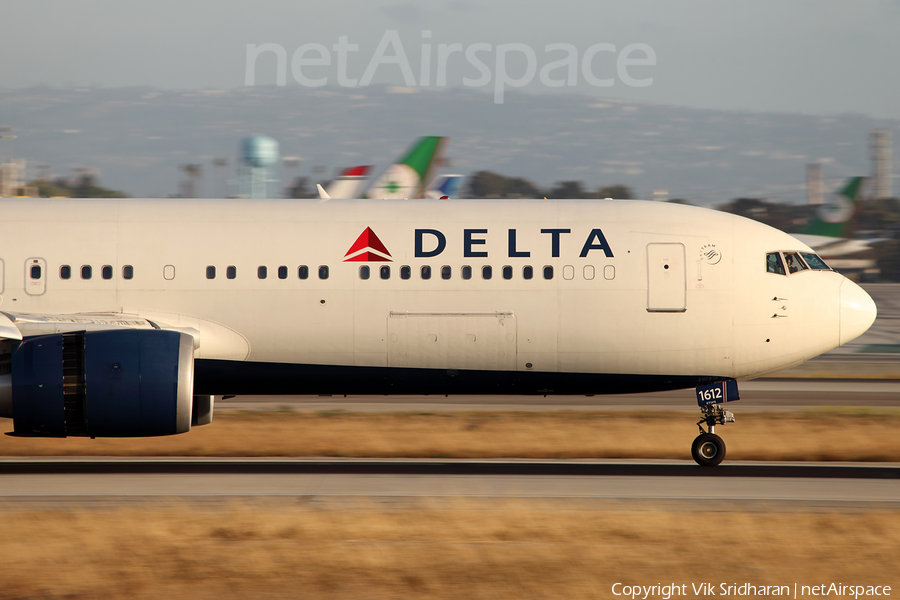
<point x="445" y="187"/>
<point x="349" y="183"/>
<point x="830" y="232"/>
<point x="407" y="178"/>
<point x="126" y="317"/>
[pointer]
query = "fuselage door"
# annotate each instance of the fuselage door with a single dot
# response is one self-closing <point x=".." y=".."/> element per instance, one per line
<point x="666" y="287"/>
<point x="35" y="276"/>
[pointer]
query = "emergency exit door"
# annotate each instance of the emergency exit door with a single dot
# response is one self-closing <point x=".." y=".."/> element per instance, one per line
<point x="666" y="280"/>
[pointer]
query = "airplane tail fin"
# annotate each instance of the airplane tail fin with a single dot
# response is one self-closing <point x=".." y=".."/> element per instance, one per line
<point x="445" y="186"/>
<point x="408" y="177"/>
<point x="837" y="216"/>
<point x="348" y="183"/>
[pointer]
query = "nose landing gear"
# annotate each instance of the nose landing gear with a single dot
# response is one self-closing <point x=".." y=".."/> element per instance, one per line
<point x="708" y="449"/>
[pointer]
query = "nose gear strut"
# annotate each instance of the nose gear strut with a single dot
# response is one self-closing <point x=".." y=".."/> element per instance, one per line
<point x="708" y="449"/>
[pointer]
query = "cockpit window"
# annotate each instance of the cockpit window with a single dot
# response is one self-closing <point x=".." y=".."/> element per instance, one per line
<point x="774" y="264"/>
<point x="814" y="261"/>
<point x="794" y="262"/>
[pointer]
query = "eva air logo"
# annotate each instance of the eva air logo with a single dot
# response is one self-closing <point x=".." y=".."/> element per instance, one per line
<point x="367" y="248"/>
<point x="398" y="182"/>
<point x="837" y="209"/>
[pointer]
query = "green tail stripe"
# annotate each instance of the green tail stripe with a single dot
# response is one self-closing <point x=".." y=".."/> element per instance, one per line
<point x="853" y="188"/>
<point x="422" y="154"/>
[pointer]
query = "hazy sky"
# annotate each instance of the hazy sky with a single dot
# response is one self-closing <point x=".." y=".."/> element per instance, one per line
<point x="810" y="56"/>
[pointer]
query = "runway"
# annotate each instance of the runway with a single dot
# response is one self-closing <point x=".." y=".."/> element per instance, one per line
<point x="797" y="484"/>
<point x="612" y="484"/>
<point x="766" y="395"/>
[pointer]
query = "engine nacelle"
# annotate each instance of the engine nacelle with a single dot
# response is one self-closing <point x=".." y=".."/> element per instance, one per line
<point x="119" y="383"/>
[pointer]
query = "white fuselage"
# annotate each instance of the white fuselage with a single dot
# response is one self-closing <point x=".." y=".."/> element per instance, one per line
<point x="664" y="290"/>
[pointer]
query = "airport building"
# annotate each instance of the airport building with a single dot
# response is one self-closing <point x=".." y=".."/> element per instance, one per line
<point x="882" y="159"/>
<point x="10" y="186"/>
<point x="814" y="190"/>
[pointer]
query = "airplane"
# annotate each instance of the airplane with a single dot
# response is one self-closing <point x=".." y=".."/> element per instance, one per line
<point x="127" y="317"/>
<point x="409" y="176"/>
<point x="445" y="187"/>
<point x="349" y="183"/>
<point x="830" y="232"/>
<point x="406" y="178"/>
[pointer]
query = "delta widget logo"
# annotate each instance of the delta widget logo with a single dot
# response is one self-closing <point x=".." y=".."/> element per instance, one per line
<point x="367" y="248"/>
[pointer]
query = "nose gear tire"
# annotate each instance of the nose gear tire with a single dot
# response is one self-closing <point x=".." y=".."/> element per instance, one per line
<point x="708" y="450"/>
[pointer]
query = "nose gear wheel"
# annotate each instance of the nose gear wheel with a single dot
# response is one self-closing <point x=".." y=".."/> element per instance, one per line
<point x="708" y="449"/>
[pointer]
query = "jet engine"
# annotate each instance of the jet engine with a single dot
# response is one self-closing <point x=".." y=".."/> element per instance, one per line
<point x="111" y="383"/>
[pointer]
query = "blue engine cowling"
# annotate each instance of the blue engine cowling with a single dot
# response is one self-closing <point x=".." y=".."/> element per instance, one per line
<point x="118" y="383"/>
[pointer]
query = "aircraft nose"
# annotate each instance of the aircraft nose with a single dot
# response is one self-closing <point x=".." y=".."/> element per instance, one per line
<point x="858" y="311"/>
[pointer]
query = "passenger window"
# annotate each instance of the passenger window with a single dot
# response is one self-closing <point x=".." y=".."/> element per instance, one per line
<point x="507" y="272"/>
<point x="385" y="272"/>
<point x="231" y="272"/>
<point x="487" y="272"/>
<point x="364" y="272"/>
<point x="445" y="272"/>
<point x="548" y="272"/>
<point x="303" y="272"/>
<point x="466" y="272"/>
<point x="527" y="272"/>
<point x="65" y="272"/>
<point x="106" y="272"/>
<point x="210" y="272"/>
<point x="323" y="272"/>
<point x="262" y="272"/>
<point x="35" y="271"/>
<point x="815" y="262"/>
<point x="794" y="262"/>
<point x="405" y="272"/>
<point x="774" y="264"/>
<point x="426" y="272"/>
<point x="127" y="272"/>
<point x="86" y="272"/>
<point x="282" y="272"/>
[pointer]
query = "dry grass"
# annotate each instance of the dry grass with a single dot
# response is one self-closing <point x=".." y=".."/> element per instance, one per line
<point x="822" y="435"/>
<point x="507" y="549"/>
